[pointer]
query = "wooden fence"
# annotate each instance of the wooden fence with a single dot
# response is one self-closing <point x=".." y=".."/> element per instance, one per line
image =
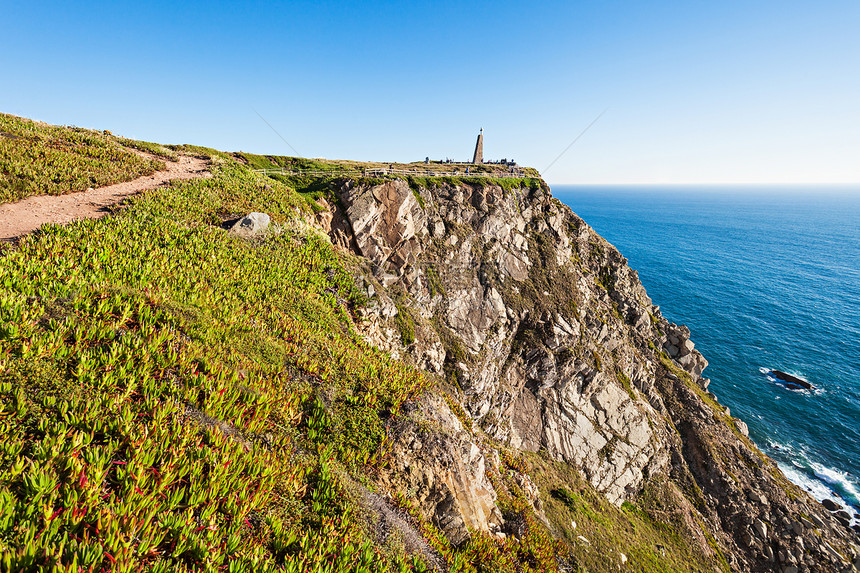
<point x="386" y="172"/>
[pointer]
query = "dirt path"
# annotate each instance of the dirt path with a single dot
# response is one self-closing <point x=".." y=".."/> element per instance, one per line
<point x="27" y="215"/>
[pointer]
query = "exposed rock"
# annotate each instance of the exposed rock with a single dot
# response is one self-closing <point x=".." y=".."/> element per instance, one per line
<point x="792" y="381"/>
<point x="556" y="347"/>
<point x="819" y="523"/>
<point x="830" y="505"/>
<point x="444" y="469"/>
<point x="797" y="527"/>
<point x="251" y="225"/>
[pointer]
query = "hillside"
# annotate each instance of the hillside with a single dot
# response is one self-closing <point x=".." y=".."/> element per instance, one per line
<point x="398" y="374"/>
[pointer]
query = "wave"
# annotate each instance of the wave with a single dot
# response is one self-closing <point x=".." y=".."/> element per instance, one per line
<point x="820" y="481"/>
<point x="841" y="481"/>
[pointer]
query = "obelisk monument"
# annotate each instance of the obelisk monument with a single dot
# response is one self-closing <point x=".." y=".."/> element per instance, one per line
<point x="479" y="148"/>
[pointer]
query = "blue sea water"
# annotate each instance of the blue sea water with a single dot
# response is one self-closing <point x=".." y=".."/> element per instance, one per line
<point x="765" y="278"/>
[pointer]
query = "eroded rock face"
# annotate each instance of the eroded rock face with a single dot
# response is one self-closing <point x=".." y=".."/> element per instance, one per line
<point x="444" y="469"/>
<point x="540" y="350"/>
<point x="555" y="346"/>
<point x="386" y="221"/>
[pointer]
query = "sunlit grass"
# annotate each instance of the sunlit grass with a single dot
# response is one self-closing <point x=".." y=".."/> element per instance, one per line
<point x="175" y="398"/>
<point x="130" y="344"/>
<point x="40" y="159"/>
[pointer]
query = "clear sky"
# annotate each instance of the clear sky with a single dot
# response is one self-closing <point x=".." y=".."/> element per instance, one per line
<point x="716" y="92"/>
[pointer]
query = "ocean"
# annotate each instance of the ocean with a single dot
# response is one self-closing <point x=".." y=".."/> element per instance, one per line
<point x="765" y="278"/>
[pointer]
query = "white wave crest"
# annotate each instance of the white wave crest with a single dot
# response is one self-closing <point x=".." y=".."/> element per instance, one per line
<point x="841" y="480"/>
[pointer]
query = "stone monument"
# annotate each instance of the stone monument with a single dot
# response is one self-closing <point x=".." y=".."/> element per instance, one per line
<point x="479" y="148"/>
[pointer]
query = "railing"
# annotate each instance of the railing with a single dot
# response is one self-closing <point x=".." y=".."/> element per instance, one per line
<point x="386" y="172"/>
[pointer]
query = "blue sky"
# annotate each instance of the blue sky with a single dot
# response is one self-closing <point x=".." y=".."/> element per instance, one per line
<point x="694" y="92"/>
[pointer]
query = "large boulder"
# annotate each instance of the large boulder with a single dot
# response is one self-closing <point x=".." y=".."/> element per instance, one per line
<point x="252" y="225"/>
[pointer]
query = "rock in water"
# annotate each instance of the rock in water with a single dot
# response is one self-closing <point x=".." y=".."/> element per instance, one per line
<point x="830" y="505"/>
<point x="792" y="381"/>
<point x="252" y="224"/>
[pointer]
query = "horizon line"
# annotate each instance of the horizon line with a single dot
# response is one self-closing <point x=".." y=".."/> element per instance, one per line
<point x="712" y="184"/>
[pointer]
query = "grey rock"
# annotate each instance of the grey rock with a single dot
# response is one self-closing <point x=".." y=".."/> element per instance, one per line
<point x="797" y="553"/>
<point x="252" y="224"/>
<point x="832" y="553"/>
<point x="797" y="527"/>
<point x="830" y="505"/>
<point x="552" y="340"/>
<point x="445" y="469"/>
<point x="685" y="348"/>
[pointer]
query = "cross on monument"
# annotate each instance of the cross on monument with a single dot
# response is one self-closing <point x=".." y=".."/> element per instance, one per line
<point x="478" y="157"/>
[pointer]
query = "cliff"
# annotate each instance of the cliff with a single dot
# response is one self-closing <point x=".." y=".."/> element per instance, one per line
<point x="546" y="337"/>
<point x="400" y="374"/>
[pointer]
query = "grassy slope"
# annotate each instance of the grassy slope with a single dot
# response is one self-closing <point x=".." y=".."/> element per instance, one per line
<point x="39" y="159"/>
<point x="130" y="345"/>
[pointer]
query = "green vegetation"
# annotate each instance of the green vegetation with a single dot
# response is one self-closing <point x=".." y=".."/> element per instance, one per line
<point x="606" y="278"/>
<point x="173" y="397"/>
<point x="434" y="281"/>
<point x="152" y="148"/>
<point x="255" y="161"/>
<point x="202" y="152"/>
<point x="649" y="532"/>
<point x="176" y="398"/>
<point x="419" y="198"/>
<point x="405" y="325"/>
<point x="625" y="382"/>
<point x="40" y="159"/>
<point x="506" y="183"/>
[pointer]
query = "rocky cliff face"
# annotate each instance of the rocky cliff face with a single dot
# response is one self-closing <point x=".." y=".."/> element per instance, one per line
<point x="546" y="341"/>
